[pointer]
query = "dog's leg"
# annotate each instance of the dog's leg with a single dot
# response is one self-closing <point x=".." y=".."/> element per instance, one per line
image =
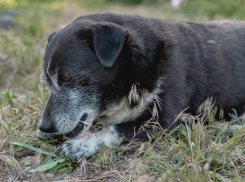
<point x="86" y="145"/>
<point x="133" y="130"/>
<point x="137" y="131"/>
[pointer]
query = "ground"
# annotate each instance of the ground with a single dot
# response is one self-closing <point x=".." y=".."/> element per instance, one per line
<point x="195" y="151"/>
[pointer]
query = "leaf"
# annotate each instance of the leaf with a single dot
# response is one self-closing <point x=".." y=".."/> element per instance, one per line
<point x="183" y="145"/>
<point x="220" y="177"/>
<point x="97" y="165"/>
<point x="239" y="132"/>
<point x="235" y="139"/>
<point x="59" y="166"/>
<point x="50" y="164"/>
<point x="197" y="158"/>
<point x="39" y="150"/>
<point x="209" y="157"/>
<point x="223" y="130"/>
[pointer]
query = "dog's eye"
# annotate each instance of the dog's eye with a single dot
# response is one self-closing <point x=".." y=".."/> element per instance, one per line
<point x="66" y="78"/>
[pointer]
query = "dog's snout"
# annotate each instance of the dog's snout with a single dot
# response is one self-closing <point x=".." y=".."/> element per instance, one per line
<point x="47" y="127"/>
<point x="84" y="117"/>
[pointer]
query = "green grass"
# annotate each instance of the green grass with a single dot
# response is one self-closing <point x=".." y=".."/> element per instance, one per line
<point x="192" y="152"/>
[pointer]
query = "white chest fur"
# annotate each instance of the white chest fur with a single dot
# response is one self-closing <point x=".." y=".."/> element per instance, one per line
<point x="122" y="112"/>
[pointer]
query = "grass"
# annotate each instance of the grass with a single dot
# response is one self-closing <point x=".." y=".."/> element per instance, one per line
<point x="194" y="151"/>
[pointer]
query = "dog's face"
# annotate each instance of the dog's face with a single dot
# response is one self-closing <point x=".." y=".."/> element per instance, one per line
<point x="80" y="64"/>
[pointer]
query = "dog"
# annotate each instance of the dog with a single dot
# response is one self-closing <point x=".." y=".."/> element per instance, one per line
<point x="117" y="68"/>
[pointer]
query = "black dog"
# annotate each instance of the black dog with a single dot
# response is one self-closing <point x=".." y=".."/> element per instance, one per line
<point x="113" y="68"/>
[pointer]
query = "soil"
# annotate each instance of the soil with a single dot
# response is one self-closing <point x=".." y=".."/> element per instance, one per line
<point x="29" y="160"/>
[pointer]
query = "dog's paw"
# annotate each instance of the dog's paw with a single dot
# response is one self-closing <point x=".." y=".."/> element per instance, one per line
<point x="78" y="148"/>
<point x="88" y="144"/>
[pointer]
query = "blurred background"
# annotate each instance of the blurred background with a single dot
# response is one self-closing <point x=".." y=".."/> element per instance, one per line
<point x="26" y="24"/>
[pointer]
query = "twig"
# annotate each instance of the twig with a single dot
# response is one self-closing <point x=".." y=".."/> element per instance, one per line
<point x="17" y="178"/>
<point x="121" y="149"/>
<point x="89" y="179"/>
<point x="213" y="127"/>
<point x="131" y="172"/>
<point x="177" y="118"/>
<point x="219" y="168"/>
<point x="24" y="153"/>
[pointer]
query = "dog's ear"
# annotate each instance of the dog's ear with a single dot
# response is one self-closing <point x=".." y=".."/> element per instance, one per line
<point x="50" y="36"/>
<point x="108" y="40"/>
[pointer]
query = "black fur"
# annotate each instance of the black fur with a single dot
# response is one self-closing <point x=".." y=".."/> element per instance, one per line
<point x="198" y="60"/>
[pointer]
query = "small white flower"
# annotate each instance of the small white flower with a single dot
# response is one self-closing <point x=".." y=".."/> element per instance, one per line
<point x="176" y="3"/>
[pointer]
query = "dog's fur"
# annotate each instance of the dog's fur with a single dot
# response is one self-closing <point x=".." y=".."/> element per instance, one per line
<point x="121" y="63"/>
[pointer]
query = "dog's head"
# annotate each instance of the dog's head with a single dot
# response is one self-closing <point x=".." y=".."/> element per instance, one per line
<point x="80" y="62"/>
<point x="87" y="66"/>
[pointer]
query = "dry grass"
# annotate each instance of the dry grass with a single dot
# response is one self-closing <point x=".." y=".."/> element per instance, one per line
<point x="191" y="152"/>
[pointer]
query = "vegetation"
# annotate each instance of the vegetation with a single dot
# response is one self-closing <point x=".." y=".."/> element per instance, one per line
<point x="192" y="152"/>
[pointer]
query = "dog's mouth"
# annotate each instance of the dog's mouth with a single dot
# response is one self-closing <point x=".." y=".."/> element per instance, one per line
<point x="76" y="131"/>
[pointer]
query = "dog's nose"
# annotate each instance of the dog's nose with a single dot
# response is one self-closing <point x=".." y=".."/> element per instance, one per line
<point x="84" y="117"/>
<point x="46" y="127"/>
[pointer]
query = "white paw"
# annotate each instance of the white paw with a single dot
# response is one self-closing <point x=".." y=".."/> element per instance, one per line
<point x="86" y="146"/>
<point x="78" y="148"/>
